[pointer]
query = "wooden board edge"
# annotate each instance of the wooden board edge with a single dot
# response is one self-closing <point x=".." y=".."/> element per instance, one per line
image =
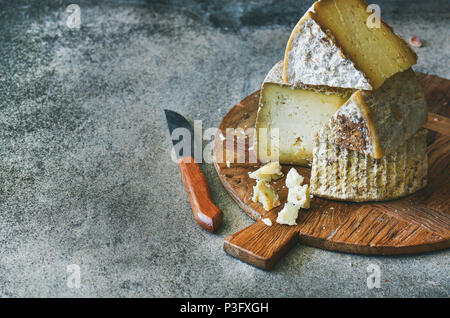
<point x="374" y="250"/>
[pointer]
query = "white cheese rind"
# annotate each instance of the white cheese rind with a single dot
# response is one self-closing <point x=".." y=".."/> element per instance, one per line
<point x="342" y="174"/>
<point x="335" y="44"/>
<point x="313" y="57"/>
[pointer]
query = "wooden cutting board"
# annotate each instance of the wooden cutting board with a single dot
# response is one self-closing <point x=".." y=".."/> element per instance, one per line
<point x="414" y="224"/>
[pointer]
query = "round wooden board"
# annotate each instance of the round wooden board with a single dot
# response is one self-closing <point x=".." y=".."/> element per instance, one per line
<point x="417" y="223"/>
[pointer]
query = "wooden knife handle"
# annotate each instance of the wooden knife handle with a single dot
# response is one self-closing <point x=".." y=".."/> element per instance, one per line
<point x="207" y="215"/>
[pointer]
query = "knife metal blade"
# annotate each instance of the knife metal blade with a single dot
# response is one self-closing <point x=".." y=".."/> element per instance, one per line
<point x="207" y="215"/>
<point x="180" y="127"/>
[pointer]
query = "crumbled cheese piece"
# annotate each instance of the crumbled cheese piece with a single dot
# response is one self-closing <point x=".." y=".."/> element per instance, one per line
<point x="299" y="195"/>
<point x="267" y="221"/>
<point x="293" y="178"/>
<point x="269" y="172"/>
<point x="288" y="215"/>
<point x="266" y="195"/>
<point x="228" y="163"/>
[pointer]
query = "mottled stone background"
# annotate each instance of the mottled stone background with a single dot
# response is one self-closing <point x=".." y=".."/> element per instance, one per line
<point x="85" y="170"/>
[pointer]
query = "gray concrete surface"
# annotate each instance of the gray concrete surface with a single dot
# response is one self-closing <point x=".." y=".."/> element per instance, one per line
<point x="85" y="169"/>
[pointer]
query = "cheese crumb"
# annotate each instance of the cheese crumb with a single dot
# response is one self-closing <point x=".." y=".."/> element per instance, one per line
<point x="228" y="164"/>
<point x="268" y="172"/>
<point x="299" y="195"/>
<point x="293" y="178"/>
<point x="266" y="195"/>
<point x="288" y="215"/>
<point x="267" y="221"/>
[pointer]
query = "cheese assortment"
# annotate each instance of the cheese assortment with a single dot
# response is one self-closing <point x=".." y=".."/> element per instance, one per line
<point x="345" y="102"/>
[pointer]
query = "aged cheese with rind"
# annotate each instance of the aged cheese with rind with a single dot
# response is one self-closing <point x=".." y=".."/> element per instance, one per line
<point x="377" y="122"/>
<point x="333" y="45"/>
<point x="266" y="195"/>
<point x="343" y="174"/>
<point x="290" y="115"/>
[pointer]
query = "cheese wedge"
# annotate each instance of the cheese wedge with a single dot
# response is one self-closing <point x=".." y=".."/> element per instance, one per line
<point x="377" y="122"/>
<point x="343" y="174"/>
<point x="289" y="116"/>
<point x="333" y="45"/>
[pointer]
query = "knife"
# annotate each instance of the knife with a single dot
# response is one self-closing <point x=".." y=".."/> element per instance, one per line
<point x="207" y="215"/>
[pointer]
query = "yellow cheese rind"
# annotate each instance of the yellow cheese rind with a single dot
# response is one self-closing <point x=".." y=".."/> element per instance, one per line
<point x="377" y="122"/>
<point x="289" y="116"/>
<point x="333" y="45"/>
<point x="342" y="174"/>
